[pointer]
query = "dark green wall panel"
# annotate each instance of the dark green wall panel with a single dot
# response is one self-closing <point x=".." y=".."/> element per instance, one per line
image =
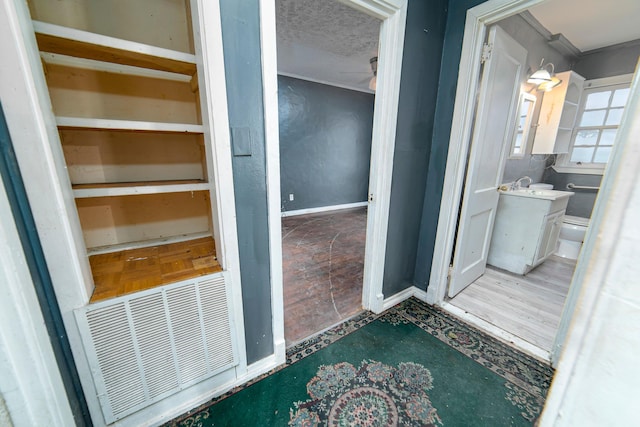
<point x="424" y="36"/>
<point x="441" y="132"/>
<point x="325" y="144"/>
<point x="241" y="41"/>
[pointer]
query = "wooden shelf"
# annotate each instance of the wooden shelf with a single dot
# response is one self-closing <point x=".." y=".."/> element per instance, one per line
<point x="69" y="41"/>
<point x="81" y="191"/>
<point x="146" y="243"/>
<point x="139" y="126"/>
<point x="134" y="270"/>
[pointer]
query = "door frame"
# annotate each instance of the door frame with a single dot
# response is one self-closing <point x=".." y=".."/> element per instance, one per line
<point x="391" y="44"/>
<point x="478" y="19"/>
<point x="495" y="133"/>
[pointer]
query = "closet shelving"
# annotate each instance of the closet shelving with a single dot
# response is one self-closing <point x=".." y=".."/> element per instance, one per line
<point x="136" y="90"/>
<point x="558" y="114"/>
<point x="127" y="106"/>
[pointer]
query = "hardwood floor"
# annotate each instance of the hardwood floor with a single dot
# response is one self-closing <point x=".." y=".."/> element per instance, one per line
<point x="323" y="263"/>
<point x="526" y="306"/>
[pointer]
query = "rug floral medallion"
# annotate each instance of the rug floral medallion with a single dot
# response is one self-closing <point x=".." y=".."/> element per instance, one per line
<point x="372" y="394"/>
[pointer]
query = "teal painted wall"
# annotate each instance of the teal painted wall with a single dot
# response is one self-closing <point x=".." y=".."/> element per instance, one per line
<point x="441" y="132"/>
<point x="424" y="121"/>
<point x="325" y="144"/>
<point x="241" y="42"/>
<point x="424" y="35"/>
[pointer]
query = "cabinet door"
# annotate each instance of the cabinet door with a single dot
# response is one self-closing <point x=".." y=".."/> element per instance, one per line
<point x="549" y="237"/>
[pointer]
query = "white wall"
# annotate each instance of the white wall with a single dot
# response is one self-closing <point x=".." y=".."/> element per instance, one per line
<point x="597" y="378"/>
<point x="30" y="383"/>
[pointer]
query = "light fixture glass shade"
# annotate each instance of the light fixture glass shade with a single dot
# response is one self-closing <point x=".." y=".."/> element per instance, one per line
<point x="543" y="74"/>
<point x="547" y="86"/>
<point x="373" y="82"/>
<point x="539" y="77"/>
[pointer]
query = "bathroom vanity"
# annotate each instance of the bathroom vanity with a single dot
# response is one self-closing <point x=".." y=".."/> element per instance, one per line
<point x="526" y="228"/>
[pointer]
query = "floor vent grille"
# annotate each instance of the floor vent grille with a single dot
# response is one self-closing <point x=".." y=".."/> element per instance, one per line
<point x="149" y="345"/>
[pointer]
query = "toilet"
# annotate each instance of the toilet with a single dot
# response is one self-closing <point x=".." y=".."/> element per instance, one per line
<point x="571" y="236"/>
<point x="571" y="233"/>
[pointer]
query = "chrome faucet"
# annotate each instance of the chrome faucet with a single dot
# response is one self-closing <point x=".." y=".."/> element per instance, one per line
<point x="518" y="183"/>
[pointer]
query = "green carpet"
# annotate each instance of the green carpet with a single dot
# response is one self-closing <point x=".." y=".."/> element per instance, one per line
<point x="412" y="365"/>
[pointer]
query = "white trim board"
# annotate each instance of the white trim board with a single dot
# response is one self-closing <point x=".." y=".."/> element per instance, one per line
<point x="272" y="151"/>
<point x="324" y="209"/>
<point x="31" y="388"/>
<point x="412" y="291"/>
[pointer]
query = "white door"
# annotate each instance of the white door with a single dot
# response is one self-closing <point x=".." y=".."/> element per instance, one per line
<point x="495" y="120"/>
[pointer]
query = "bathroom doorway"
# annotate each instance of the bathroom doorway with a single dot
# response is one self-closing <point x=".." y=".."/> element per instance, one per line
<point x="453" y="184"/>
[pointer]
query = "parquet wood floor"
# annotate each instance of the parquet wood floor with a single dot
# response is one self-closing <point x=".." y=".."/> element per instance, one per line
<point x="133" y="270"/>
<point x="323" y="263"/>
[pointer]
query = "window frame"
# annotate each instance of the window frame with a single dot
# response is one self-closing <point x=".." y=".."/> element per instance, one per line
<point x="563" y="162"/>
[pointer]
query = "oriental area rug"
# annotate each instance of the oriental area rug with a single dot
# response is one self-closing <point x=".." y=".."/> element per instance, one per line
<point x="413" y="365"/>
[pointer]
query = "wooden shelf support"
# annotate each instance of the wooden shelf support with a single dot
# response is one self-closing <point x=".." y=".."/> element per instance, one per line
<point x="69" y="41"/>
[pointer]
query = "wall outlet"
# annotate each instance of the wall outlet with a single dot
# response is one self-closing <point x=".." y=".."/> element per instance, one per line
<point x="291" y="197"/>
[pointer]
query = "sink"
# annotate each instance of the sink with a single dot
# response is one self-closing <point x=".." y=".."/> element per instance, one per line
<point x="538" y="194"/>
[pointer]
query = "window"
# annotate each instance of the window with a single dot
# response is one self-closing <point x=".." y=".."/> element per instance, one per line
<point x="601" y="107"/>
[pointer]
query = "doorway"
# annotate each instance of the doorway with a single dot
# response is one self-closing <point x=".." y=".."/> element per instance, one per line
<point x="327" y="76"/>
<point x="393" y="17"/>
<point x="480" y="18"/>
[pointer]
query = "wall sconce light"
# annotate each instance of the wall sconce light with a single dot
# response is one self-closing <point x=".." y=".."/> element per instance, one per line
<point x="544" y="77"/>
<point x="374" y="68"/>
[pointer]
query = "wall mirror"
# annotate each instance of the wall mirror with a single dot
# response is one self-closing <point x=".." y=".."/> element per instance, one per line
<point x="526" y="104"/>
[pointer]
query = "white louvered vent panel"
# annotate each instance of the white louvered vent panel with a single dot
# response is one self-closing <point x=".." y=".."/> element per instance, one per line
<point x="116" y="357"/>
<point x="154" y="343"/>
<point x="187" y="332"/>
<point x="215" y="314"/>
<point x="146" y="346"/>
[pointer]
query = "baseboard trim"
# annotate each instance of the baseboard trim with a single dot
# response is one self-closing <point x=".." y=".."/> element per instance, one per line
<point x="258" y="368"/>
<point x="420" y="294"/>
<point x="252" y="371"/>
<point x="324" y="209"/>
<point x="499" y="333"/>
<point x="398" y="298"/>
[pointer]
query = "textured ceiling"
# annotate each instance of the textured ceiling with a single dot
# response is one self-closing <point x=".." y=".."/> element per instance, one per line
<point x="591" y="24"/>
<point x="325" y="40"/>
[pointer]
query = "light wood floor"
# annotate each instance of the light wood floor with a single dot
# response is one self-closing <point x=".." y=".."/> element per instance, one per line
<point x="526" y="306"/>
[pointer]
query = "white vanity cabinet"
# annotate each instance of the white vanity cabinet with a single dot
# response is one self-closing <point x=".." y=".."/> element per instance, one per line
<point x="526" y="228"/>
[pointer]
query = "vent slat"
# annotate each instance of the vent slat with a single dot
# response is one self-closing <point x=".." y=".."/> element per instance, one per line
<point x="144" y="348"/>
